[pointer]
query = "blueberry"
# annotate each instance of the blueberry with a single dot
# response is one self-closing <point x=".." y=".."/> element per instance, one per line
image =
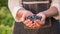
<point x="33" y="18"/>
<point x="37" y="17"/>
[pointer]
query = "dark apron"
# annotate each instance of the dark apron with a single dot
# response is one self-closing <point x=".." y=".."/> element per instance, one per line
<point x="36" y="8"/>
<point x="19" y="29"/>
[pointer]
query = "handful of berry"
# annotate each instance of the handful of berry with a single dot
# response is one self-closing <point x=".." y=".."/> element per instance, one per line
<point x="33" y="18"/>
<point x="35" y="22"/>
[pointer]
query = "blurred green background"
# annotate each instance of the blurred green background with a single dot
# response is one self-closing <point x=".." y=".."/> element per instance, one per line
<point x="6" y="19"/>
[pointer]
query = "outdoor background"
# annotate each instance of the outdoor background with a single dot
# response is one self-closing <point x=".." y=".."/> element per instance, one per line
<point x="6" y="19"/>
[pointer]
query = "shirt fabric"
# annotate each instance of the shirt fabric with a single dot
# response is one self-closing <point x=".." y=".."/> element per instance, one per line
<point x="56" y="3"/>
<point x="15" y="5"/>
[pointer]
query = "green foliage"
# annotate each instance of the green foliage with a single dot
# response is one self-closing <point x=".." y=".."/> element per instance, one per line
<point x="7" y="20"/>
<point x="5" y="29"/>
<point x="3" y="2"/>
<point x="5" y="17"/>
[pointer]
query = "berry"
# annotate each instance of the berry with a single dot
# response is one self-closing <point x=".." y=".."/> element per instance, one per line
<point x="33" y="18"/>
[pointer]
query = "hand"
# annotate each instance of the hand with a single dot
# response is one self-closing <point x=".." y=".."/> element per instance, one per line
<point x="21" y="14"/>
<point x="37" y="23"/>
<point x="28" y="23"/>
<point x="43" y="17"/>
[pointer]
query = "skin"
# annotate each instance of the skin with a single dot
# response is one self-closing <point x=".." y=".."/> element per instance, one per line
<point x="21" y="14"/>
<point x="52" y="11"/>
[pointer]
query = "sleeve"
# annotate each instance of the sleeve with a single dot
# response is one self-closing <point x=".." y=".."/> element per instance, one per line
<point x="14" y="6"/>
<point x="56" y="3"/>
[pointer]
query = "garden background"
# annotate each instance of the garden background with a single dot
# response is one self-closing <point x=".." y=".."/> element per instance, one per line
<point x="6" y="19"/>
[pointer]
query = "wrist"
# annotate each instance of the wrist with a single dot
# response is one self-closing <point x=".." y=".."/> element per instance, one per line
<point x="51" y="12"/>
<point x="15" y="10"/>
<point x="19" y="14"/>
<point x="20" y="11"/>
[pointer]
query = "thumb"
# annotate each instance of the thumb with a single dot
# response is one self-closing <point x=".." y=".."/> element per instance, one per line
<point x="43" y="20"/>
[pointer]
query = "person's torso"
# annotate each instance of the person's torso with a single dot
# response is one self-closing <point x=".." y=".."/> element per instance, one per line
<point x="36" y="6"/>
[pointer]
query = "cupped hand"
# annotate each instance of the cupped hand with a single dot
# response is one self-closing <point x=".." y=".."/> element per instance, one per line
<point x="21" y="14"/>
<point x="38" y="23"/>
